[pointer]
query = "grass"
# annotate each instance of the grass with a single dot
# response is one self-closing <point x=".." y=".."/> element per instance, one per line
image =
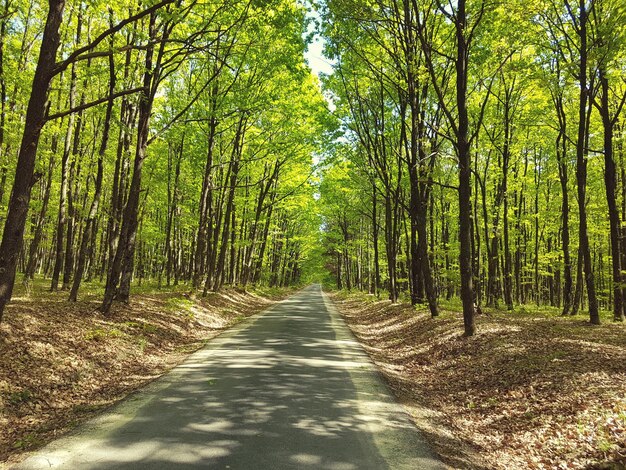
<point x="92" y="290"/>
<point x="455" y="305"/>
<point x="182" y="305"/>
<point x="19" y="397"/>
<point x="28" y="441"/>
<point x="99" y="334"/>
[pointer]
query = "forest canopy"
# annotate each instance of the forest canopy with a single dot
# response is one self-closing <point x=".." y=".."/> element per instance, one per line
<point x="471" y="149"/>
<point x="168" y="140"/>
<point x="483" y="153"/>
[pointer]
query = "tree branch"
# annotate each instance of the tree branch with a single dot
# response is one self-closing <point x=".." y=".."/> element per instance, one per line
<point x="91" y="104"/>
<point x="74" y="56"/>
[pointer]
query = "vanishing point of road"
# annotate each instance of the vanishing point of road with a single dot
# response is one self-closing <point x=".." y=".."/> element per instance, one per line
<point x="290" y="389"/>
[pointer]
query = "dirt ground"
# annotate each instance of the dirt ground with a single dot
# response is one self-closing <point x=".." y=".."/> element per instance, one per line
<point x="530" y="390"/>
<point x="62" y="362"/>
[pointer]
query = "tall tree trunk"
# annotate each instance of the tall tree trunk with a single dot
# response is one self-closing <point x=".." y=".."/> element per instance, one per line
<point x="561" y="154"/>
<point x="230" y="203"/>
<point x="578" y="291"/>
<point x="264" y="237"/>
<point x="390" y="247"/>
<point x="375" y="232"/>
<point x="205" y="196"/>
<point x="465" y="188"/>
<point x="581" y="164"/>
<point x="127" y="120"/>
<point x="610" y="184"/>
<point x="501" y="200"/>
<point x="41" y="222"/>
<point x="260" y="206"/>
<point x="171" y="213"/>
<point x="68" y="263"/>
<point x="3" y="101"/>
<point x="63" y="195"/>
<point x="420" y="264"/>
<point x="424" y="186"/>
<point x="25" y="176"/>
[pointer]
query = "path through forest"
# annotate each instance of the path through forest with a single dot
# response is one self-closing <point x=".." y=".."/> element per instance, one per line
<point x="292" y="389"/>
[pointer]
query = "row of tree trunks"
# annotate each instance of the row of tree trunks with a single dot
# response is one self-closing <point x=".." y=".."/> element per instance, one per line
<point x="86" y="245"/>
<point x="93" y="238"/>
<point x="121" y="265"/>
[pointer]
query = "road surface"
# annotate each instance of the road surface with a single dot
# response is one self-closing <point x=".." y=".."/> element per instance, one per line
<point x="290" y="389"/>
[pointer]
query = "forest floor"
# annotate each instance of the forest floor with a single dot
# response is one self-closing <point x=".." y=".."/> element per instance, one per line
<point x="62" y="362"/>
<point x="531" y="390"/>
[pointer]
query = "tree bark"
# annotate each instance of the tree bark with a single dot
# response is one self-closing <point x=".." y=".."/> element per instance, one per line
<point x="63" y="196"/>
<point x="230" y="203"/>
<point x="465" y="188"/>
<point x="171" y="213"/>
<point x="581" y="164"/>
<point x="610" y="185"/>
<point x="561" y="154"/>
<point x="25" y="176"/>
<point x="205" y="196"/>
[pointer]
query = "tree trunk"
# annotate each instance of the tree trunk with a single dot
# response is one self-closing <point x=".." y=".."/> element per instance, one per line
<point x="610" y="184"/>
<point x="41" y="223"/>
<point x="561" y="154"/>
<point x="124" y="253"/>
<point x="465" y="188"/>
<point x="171" y="213"/>
<point x="375" y="229"/>
<point x="581" y="165"/>
<point x="390" y="248"/>
<point x="25" y="176"/>
<point x="230" y="203"/>
<point x="62" y="217"/>
<point x="205" y="196"/>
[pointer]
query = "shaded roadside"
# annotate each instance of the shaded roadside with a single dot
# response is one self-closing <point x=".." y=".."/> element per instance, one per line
<point x="530" y="390"/>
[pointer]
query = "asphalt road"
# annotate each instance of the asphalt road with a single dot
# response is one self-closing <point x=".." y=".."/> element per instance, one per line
<point x="291" y="389"/>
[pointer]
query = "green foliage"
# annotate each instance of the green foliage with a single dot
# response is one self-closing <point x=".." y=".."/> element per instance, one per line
<point x="517" y="66"/>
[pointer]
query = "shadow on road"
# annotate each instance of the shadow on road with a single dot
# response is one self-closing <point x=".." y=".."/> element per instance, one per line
<point x="278" y="394"/>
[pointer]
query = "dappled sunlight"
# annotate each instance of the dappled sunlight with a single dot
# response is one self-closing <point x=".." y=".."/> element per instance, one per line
<point x="290" y="392"/>
<point x="64" y="360"/>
